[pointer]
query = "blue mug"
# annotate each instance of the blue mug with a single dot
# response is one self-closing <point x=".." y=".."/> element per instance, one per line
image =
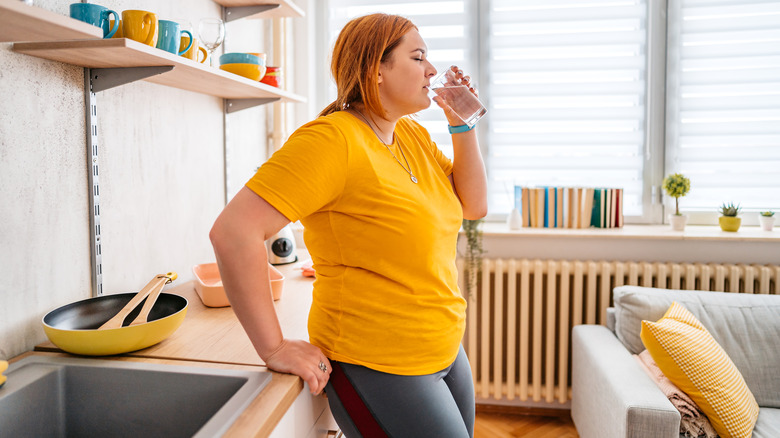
<point x="95" y="15"/>
<point x="169" y="35"/>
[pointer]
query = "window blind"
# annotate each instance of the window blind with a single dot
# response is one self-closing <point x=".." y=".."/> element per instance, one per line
<point x="723" y="101"/>
<point x="448" y="28"/>
<point x="566" y="96"/>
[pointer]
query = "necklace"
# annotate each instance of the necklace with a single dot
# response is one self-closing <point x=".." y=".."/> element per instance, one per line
<point x="409" y="170"/>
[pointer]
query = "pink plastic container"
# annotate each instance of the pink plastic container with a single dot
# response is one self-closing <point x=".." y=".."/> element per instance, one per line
<point x="208" y="284"/>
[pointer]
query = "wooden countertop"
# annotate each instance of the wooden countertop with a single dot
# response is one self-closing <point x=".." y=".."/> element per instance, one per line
<point x="213" y="337"/>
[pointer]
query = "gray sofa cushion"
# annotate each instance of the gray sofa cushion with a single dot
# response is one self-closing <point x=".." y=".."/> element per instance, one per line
<point x="768" y="424"/>
<point x="746" y="326"/>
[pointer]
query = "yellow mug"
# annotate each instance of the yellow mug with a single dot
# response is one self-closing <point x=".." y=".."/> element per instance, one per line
<point x="140" y="26"/>
<point x="119" y="33"/>
<point x="195" y="50"/>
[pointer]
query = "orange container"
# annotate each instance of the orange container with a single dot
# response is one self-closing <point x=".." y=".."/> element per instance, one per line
<point x="272" y="77"/>
<point x="208" y="284"/>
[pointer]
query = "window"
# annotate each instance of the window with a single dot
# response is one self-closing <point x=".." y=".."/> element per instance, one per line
<point x="566" y="96"/>
<point x="723" y="94"/>
<point x="575" y="93"/>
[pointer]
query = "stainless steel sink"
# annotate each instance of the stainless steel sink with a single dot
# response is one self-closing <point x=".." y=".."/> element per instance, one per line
<point x="79" y="397"/>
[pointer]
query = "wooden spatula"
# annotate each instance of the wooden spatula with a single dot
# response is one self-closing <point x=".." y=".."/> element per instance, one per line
<point x="152" y="288"/>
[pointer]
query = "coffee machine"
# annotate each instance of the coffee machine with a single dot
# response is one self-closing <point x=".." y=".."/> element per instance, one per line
<point x="281" y="247"/>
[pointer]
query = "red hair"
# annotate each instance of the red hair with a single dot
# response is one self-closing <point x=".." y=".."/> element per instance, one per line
<point x="363" y="44"/>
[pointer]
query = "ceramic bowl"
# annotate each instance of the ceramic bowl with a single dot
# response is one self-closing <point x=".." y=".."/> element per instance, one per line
<point x="249" y="71"/>
<point x="208" y="284"/>
<point x="241" y="58"/>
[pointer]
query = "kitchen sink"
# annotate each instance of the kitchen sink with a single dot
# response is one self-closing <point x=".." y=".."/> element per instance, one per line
<point x="80" y="397"/>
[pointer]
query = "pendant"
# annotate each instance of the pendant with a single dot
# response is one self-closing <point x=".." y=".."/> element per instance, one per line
<point x="414" y="178"/>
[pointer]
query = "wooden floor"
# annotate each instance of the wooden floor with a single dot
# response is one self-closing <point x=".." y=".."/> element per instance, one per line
<point x="508" y="425"/>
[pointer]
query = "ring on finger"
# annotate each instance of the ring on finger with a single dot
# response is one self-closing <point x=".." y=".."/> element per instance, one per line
<point x="323" y="367"/>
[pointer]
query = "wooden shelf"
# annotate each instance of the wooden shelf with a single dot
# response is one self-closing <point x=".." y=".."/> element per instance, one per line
<point x="186" y="74"/>
<point x="286" y="7"/>
<point x="20" y="22"/>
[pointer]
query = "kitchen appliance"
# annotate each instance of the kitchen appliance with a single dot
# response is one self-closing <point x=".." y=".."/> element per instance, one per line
<point x="281" y="247"/>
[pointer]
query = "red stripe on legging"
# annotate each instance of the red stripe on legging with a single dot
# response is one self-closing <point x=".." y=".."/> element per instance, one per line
<point x="354" y="405"/>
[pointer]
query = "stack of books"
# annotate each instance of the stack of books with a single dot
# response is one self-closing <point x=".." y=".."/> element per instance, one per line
<point x="570" y="207"/>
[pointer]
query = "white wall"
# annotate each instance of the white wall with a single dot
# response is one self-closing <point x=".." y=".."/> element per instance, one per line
<point x="161" y="176"/>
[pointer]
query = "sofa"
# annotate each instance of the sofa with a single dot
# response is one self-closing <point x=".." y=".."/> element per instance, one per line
<point x="612" y="396"/>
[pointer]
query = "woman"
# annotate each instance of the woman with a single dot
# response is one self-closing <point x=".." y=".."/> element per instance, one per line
<point x="381" y="208"/>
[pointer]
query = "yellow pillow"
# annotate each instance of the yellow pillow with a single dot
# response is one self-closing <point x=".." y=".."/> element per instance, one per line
<point x="691" y="358"/>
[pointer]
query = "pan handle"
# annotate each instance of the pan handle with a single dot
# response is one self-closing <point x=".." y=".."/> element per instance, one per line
<point x="156" y="283"/>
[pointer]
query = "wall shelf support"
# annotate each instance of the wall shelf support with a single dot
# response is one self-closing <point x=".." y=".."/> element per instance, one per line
<point x="104" y="78"/>
<point x="233" y="105"/>
<point x="93" y="172"/>
<point x="237" y="12"/>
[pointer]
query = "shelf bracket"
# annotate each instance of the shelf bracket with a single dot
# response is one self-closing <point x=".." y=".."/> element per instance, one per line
<point x="238" y="12"/>
<point x="234" y="105"/>
<point x="104" y="78"/>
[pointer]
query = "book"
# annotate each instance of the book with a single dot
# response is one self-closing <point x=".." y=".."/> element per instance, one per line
<point x="526" y="207"/>
<point x="574" y="208"/>
<point x="570" y="207"/>
<point x="595" y="217"/>
<point x="559" y="203"/>
<point x="587" y="207"/>
<point x="549" y="207"/>
<point x="598" y="217"/>
<point x="540" y="191"/>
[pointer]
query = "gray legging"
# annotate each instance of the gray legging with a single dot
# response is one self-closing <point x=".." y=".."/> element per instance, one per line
<point x="369" y="404"/>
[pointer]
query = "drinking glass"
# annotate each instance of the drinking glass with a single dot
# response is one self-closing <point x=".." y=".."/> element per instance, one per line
<point x="211" y="32"/>
<point x="458" y="96"/>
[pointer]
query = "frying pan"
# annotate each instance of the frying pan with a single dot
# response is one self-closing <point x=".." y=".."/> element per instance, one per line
<point x="74" y="327"/>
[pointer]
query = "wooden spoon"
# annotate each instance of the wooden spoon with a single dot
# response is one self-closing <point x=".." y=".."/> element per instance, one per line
<point x="154" y="286"/>
<point x="152" y="298"/>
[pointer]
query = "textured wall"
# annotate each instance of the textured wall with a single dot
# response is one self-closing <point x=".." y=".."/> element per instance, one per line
<point x="162" y="177"/>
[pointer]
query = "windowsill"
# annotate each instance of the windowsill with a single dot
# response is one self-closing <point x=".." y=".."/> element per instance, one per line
<point x="663" y="232"/>
<point x="649" y="243"/>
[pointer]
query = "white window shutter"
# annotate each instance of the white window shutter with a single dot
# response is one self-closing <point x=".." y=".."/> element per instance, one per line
<point x="723" y="102"/>
<point x="566" y="98"/>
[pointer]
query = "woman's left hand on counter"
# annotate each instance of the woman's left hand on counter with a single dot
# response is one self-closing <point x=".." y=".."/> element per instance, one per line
<point x="304" y="360"/>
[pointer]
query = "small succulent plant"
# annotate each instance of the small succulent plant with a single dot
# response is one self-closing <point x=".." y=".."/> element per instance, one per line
<point x="768" y="213"/>
<point x="730" y="210"/>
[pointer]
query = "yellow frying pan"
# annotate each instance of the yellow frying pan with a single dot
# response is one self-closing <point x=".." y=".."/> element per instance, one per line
<point x="74" y="327"/>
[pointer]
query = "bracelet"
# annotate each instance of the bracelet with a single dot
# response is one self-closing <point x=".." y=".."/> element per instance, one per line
<point x="460" y="128"/>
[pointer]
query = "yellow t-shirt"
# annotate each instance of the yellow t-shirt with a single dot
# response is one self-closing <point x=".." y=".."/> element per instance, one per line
<point x="386" y="294"/>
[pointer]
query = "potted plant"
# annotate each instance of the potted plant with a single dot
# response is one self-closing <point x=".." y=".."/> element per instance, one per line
<point x="473" y="256"/>
<point x="676" y="186"/>
<point x="728" y="220"/>
<point x="767" y="219"/>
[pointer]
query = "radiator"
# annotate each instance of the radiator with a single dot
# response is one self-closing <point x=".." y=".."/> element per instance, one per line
<point x="520" y="318"/>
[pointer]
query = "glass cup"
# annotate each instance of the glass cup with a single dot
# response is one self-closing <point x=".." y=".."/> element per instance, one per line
<point x="211" y="32"/>
<point x="465" y="104"/>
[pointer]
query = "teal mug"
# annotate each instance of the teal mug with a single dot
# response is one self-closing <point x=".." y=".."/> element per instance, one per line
<point x="95" y="15"/>
<point x="169" y="35"/>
